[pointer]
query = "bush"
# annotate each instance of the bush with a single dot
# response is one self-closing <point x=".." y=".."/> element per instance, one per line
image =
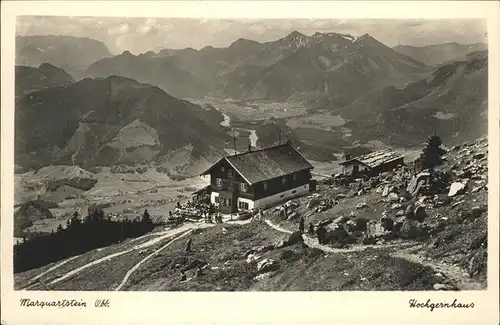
<point x="361" y="223"/>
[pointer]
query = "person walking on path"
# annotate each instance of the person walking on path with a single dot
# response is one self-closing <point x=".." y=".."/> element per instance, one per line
<point x="311" y="229"/>
<point x="301" y="225"/>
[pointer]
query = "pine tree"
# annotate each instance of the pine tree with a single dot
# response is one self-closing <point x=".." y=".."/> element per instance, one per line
<point x="146" y="218"/>
<point x="432" y="153"/>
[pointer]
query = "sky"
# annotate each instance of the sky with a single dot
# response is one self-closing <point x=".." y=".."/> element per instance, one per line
<point x="139" y="35"/>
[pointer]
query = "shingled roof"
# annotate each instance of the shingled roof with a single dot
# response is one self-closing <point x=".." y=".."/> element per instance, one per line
<point x="260" y="165"/>
<point x="376" y="158"/>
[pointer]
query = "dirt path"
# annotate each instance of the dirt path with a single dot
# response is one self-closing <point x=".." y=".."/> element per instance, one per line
<point x="158" y="238"/>
<point x="457" y="275"/>
<point x="149" y="243"/>
<point x="313" y="243"/>
<point x="34" y="280"/>
<point x="135" y="267"/>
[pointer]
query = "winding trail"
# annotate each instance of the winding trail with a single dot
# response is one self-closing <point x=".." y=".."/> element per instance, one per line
<point x="158" y="238"/>
<point x="454" y="273"/>
<point x="135" y="267"/>
<point x="312" y="243"/>
<point x="168" y="234"/>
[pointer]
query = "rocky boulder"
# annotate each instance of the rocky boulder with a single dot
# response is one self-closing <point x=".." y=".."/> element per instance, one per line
<point x="335" y="233"/>
<point x="444" y="287"/>
<point x="410" y="209"/>
<point x="410" y="229"/>
<point x="313" y="203"/>
<point x="387" y="223"/>
<point x="294" y="238"/>
<point x="267" y="265"/>
<point x="341" y="220"/>
<point x="456" y="188"/>
<point x="393" y="197"/>
<point x="419" y="214"/>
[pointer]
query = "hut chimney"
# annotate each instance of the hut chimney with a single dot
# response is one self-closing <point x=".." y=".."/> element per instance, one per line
<point x="249" y="147"/>
<point x="347" y="156"/>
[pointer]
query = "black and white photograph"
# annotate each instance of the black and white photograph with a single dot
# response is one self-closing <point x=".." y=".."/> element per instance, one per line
<point x="189" y="154"/>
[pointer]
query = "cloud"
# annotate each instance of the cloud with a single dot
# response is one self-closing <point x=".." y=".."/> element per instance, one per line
<point x="139" y="35"/>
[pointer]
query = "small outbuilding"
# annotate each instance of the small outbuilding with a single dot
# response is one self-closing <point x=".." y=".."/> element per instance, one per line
<point x="372" y="163"/>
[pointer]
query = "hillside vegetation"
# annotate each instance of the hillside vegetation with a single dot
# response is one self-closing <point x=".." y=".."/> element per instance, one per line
<point x="111" y="121"/>
<point x="437" y="240"/>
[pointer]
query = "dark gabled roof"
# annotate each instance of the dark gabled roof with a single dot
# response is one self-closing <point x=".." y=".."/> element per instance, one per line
<point x="260" y="165"/>
<point x="376" y="158"/>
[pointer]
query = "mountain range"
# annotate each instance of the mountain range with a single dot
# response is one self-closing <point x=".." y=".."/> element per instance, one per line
<point x="73" y="54"/>
<point x="127" y="110"/>
<point x="438" y="54"/>
<point x="452" y="101"/>
<point x="30" y="79"/>
<point x="297" y="66"/>
<point x="111" y="121"/>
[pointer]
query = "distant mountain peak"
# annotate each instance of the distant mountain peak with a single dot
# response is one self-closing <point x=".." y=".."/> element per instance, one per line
<point x="46" y="65"/>
<point x="242" y="42"/>
<point x="294" y="34"/>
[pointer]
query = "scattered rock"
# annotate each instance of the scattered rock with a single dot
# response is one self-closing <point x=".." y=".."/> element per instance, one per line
<point x="387" y="223"/>
<point x="456" y="188"/>
<point x="263" y="276"/>
<point x="393" y="197"/>
<point x="252" y="258"/>
<point x="385" y="192"/>
<point x="369" y="240"/>
<point x="400" y="213"/>
<point x="419" y="213"/>
<point x="361" y="205"/>
<point x="336" y="233"/>
<point x="339" y="196"/>
<point x="267" y="265"/>
<point x="313" y="203"/>
<point x="263" y="249"/>
<point x="248" y="252"/>
<point x="396" y="206"/>
<point x="410" y="209"/>
<point x="294" y="238"/>
<point x="341" y="220"/>
<point x="411" y="229"/>
<point x="445" y="287"/>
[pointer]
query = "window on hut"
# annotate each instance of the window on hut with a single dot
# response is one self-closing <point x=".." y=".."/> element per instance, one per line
<point x="230" y="172"/>
<point x="243" y="187"/>
<point x="218" y="182"/>
<point x="265" y="186"/>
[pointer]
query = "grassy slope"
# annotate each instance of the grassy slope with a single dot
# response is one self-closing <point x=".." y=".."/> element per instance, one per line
<point x="223" y="249"/>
